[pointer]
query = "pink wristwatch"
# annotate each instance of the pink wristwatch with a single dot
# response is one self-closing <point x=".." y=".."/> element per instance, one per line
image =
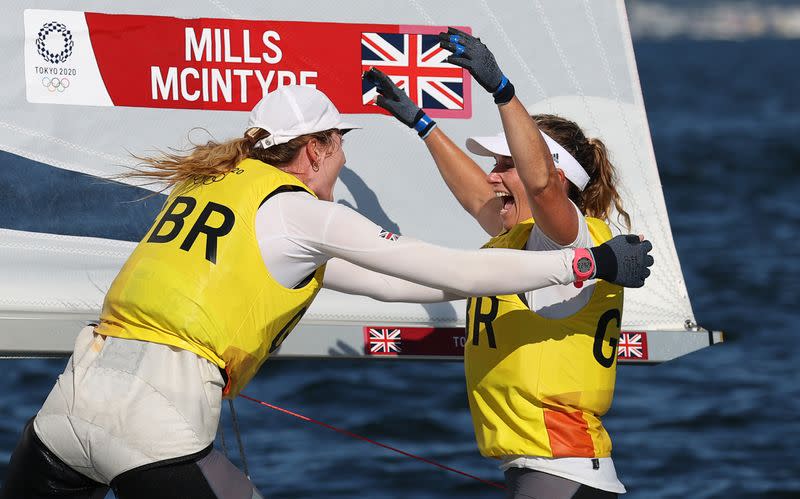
<point x="582" y="265"/>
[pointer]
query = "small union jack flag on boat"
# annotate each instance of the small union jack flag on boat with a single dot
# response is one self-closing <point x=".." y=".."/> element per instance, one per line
<point x="632" y="346"/>
<point x="383" y="341"/>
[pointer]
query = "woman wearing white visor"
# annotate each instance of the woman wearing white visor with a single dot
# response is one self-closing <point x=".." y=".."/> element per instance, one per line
<point x="540" y="366"/>
<point x="243" y="244"/>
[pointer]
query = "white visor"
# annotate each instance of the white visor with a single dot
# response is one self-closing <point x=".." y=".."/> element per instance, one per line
<point x="497" y="145"/>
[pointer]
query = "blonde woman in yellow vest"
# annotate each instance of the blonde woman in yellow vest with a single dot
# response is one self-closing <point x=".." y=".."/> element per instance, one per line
<point x="540" y="366"/>
<point x="231" y="263"/>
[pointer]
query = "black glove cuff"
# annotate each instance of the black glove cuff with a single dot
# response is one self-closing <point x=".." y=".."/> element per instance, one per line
<point x="605" y="263"/>
<point x="505" y="93"/>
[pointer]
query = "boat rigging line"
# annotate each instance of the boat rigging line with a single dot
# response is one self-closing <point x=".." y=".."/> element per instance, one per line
<point x="374" y="442"/>
<point x="235" y="423"/>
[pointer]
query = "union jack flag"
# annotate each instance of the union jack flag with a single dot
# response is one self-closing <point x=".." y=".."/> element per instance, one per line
<point x="632" y="346"/>
<point x="415" y="63"/>
<point x="384" y="341"/>
<point x="389" y="236"/>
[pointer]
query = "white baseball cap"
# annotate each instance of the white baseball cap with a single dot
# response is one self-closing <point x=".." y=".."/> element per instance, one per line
<point x="292" y="111"/>
<point x="497" y="145"/>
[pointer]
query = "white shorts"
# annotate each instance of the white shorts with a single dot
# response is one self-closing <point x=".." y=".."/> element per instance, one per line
<point x="121" y="404"/>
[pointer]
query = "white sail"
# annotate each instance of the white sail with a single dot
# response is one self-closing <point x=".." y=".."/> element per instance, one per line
<point x="569" y="57"/>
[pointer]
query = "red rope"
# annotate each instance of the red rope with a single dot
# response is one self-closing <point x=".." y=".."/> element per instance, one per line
<point x="353" y="435"/>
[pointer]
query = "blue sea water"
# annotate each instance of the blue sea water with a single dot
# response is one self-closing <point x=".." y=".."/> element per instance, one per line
<point x="723" y="422"/>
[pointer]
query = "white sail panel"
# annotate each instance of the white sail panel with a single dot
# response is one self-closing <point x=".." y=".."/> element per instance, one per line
<point x="569" y="57"/>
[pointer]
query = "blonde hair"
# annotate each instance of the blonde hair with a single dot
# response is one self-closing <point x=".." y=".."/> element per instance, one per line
<point x="213" y="159"/>
<point x="600" y="194"/>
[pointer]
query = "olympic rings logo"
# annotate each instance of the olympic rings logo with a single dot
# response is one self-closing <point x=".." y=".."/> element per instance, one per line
<point x="55" y="84"/>
<point x="208" y="179"/>
<point x="44" y="34"/>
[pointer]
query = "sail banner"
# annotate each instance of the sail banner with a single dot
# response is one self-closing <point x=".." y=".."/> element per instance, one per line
<point x="96" y="59"/>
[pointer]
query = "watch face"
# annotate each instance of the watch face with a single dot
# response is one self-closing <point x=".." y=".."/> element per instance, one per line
<point x="584" y="265"/>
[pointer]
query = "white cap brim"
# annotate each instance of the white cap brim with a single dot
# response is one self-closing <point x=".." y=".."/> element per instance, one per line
<point x="497" y="145"/>
<point x="346" y="127"/>
<point x="295" y="110"/>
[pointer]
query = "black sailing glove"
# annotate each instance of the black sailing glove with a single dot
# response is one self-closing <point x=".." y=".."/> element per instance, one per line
<point x="623" y="260"/>
<point x="398" y="103"/>
<point x="471" y="54"/>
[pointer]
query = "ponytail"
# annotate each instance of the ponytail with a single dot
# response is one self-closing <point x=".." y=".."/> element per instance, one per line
<point x="600" y="195"/>
<point x="213" y="159"/>
<point x="201" y="161"/>
<point x="601" y="192"/>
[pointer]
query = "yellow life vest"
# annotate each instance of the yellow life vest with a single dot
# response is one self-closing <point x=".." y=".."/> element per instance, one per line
<point x="538" y="386"/>
<point x="197" y="281"/>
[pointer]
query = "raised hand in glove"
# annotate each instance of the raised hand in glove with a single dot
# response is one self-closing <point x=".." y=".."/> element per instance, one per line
<point x="394" y="100"/>
<point x="622" y="260"/>
<point x="471" y="54"/>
